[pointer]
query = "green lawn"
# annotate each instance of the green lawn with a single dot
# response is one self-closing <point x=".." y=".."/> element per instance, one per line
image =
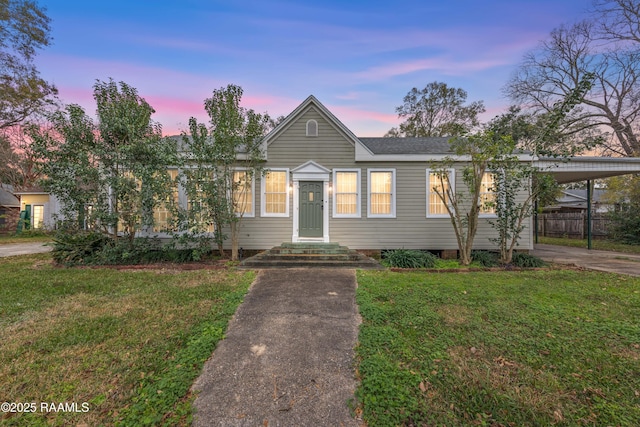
<point x="462" y="349"/>
<point x="129" y="344"/>
<point x="601" y="245"/>
<point x="499" y="349"/>
<point x="6" y="239"/>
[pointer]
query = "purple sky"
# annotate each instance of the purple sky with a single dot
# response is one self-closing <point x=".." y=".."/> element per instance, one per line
<point x="358" y="57"/>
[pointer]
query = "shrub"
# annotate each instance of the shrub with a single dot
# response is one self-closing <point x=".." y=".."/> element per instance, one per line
<point x="485" y="258"/>
<point x="526" y="261"/>
<point x="625" y="226"/>
<point x="78" y="247"/>
<point x="93" y="248"/>
<point x="409" y="258"/>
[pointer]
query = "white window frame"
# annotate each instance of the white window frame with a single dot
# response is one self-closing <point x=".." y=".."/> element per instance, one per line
<point x="32" y="222"/>
<point x="251" y="214"/>
<point x="309" y="134"/>
<point x="452" y="183"/>
<point x="263" y="193"/>
<point x="489" y="214"/>
<point x="392" y="214"/>
<point x="357" y="214"/>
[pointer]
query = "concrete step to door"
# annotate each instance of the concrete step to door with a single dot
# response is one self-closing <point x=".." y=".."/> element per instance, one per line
<point x="292" y="255"/>
<point x="310" y="257"/>
<point x="335" y="251"/>
<point x="310" y="245"/>
<point x="259" y="264"/>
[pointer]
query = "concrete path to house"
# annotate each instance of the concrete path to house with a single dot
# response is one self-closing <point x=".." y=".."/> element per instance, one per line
<point x="12" y="249"/>
<point x="287" y="358"/>
<point x="612" y="262"/>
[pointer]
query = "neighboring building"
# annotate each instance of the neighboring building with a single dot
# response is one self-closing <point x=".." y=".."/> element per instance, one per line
<point x="9" y="210"/>
<point x="37" y="208"/>
<point x="324" y="184"/>
<point x="576" y="201"/>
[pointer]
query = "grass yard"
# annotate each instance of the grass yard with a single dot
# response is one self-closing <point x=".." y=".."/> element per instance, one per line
<point x="531" y="348"/>
<point x="601" y="245"/>
<point x="123" y="346"/>
<point x="8" y="239"/>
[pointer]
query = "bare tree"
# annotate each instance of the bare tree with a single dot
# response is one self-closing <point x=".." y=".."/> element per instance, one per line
<point x="618" y="19"/>
<point x="610" y="111"/>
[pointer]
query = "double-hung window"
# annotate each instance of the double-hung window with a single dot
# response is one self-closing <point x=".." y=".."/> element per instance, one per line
<point x="243" y="193"/>
<point x="438" y="182"/>
<point x="275" y="193"/>
<point x="199" y="186"/>
<point x="346" y="193"/>
<point x="382" y="193"/>
<point x="38" y="217"/>
<point x="487" y="196"/>
<point x="162" y="211"/>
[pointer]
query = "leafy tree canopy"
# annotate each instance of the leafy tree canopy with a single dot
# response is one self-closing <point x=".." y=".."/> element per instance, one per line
<point x="437" y="110"/>
<point x="24" y="29"/>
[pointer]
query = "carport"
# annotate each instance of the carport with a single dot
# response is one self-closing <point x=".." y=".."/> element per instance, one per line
<point x="577" y="169"/>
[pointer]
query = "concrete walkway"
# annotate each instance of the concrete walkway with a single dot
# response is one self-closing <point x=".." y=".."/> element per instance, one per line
<point x="12" y="249"/>
<point x="287" y="359"/>
<point x="612" y="262"/>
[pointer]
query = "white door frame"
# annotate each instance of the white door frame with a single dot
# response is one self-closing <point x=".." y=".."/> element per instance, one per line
<point x="311" y="171"/>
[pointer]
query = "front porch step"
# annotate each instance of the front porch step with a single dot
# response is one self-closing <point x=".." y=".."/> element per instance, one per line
<point x="296" y="255"/>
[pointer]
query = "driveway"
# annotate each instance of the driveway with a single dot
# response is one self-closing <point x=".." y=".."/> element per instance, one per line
<point x="612" y="262"/>
<point x="287" y="357"/>
<point x="12" y="249"/>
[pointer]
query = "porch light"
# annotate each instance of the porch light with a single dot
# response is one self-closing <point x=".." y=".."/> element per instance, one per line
<point x="290" y="186"/>
<point x="330" y="186"/>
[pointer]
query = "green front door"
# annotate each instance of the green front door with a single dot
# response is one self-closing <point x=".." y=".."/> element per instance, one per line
<point x="311" y="205"/>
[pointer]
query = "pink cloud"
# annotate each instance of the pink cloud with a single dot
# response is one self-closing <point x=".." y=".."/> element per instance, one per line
<point x="443" y="65"/>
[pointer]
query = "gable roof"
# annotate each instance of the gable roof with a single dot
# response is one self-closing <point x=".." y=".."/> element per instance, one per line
<point x="7" y="199"/>
<point x="328" y="115"/>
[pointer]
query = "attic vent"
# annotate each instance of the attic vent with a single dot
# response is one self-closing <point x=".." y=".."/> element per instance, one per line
<point x="312" y="128"/>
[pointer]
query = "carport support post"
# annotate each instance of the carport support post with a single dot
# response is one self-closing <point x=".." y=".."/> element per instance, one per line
<point x="588" y="214"/>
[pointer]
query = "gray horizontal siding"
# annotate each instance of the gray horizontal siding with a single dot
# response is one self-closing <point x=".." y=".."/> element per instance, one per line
<point x="410" y="229"/>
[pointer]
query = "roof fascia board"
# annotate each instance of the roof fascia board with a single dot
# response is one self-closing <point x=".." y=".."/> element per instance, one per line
<point x="362" y="156"/>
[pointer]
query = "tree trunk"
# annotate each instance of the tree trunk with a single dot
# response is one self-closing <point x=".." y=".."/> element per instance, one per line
<point x="234" y="241"/>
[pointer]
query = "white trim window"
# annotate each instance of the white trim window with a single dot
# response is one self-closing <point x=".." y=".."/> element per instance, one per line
<point x="162" y="211"/>
<point x="487" y="195"/>
<point x="346" y="193"/>
<point x="435" y="206"/>
<point x="312" y="128"/>
<point x="199" y="211"/>
<point x="381" y="193"/>
<point x="275" y="193"/>
<point x="243" y="193"/>
<point x="38" y="217"/>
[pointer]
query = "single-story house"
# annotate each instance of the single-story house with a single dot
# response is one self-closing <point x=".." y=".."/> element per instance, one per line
<point x="325" y="184"/>
<point x="9" y="209"/>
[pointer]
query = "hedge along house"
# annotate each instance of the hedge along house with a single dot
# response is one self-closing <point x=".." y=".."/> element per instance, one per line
<point x="324" y="184"/>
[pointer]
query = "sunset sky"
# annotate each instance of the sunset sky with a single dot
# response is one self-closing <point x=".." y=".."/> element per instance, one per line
<point x="359" y="58"/>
